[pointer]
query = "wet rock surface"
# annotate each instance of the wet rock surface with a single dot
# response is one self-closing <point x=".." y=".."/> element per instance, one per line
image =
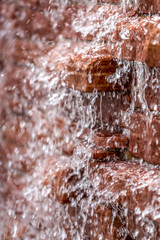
<point x="79" y="120"/>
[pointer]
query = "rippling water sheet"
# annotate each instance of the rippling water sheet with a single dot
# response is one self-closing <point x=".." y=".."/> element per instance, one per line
<point x="79" y="120"/>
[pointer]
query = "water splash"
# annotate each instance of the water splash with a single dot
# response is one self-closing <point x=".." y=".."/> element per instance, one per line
<point x="51" y="188"/>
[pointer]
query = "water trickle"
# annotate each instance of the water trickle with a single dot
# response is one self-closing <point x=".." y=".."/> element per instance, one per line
<point x="67" y="168"/>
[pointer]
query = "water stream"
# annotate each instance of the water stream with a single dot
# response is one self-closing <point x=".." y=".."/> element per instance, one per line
<point x="51" y="188"/>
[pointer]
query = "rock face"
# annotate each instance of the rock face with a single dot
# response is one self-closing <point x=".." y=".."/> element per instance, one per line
<point x="152" y="46"/>
<point x="131" y="43"/>
<point x="144" y="137"/>
<point x="136" y="7"/>
<point x="85" y="67"/>
<point x="79" y="120"/>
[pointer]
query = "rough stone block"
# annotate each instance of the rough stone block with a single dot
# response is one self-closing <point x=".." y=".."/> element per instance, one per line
<point x="97" y="222"/>
<point x="152" y="48"/>
<point x="102" y="154"/>
<point x="111" y="108"/>
<point x="107" y="146"/>
<point x="119" y="190"/>
<point x="103" y="224"/>
<point x="126" y="39"/>
<point x="145" y="92"/>
<point x="141" y="7"/>
<point x="64" y="178"/>
<point x="85" y="67"/>
<point x="107" y="140"/>
<point x="144" y="140"/>
<point x="136" y="7"/>
<point x="114" y="182"/>
<point x="128" y="185"/>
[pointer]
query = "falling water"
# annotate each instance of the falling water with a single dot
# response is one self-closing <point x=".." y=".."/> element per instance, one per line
<point x="51" y="186"/>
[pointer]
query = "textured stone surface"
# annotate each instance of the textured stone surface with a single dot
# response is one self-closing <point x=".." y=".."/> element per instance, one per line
<point x="145" y="92"/>
<point x="115" y="222"/>
<point x="102" y="154"/>
<point x="141" y="7"/>
<point x="126" y="185"/>
<point x="107" y="222"/>
<point x="137" y="7"/>
<point x="85" y="67"/>
<point x="64" y="178"/>
<point x="144" y="137"/>
<point x="149" y="6"/>
<point x="113" y="141"/>
<point x="125" y="37"/>
<point x="111" y="108"/>
<point x="129" y="185"/>
<point x="32" y="130"/>
<point x="95" y="222"/>
<point x="152" y="48"/>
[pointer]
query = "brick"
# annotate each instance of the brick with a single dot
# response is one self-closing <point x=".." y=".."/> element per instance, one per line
<point x="126" y="39"/>
<point x="107" y="222"/>
<point x="114" y="182"/>
<point x="152" y="48"/>
<point x="97" y="222"/>
<point x="111" y="141"/>
<point x="155" y="143"/>
<point x="107" y="145"/>
<point x="145" y="92"/>
<point x="117" y="187"/>
<point x="144" y="137"/>
<point x="111" y="108"/>
<point x="134" y="7"/>
<point x="130" y="185"/>
<point x="104" y="224"/>
<point x="141" y="228"/>
<point x="141" y="7"/>
<point x="102" y="154"/>
<point x="64" y="178"/>
<point x="84" y="67"/>
<point x="136" y="226"/>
